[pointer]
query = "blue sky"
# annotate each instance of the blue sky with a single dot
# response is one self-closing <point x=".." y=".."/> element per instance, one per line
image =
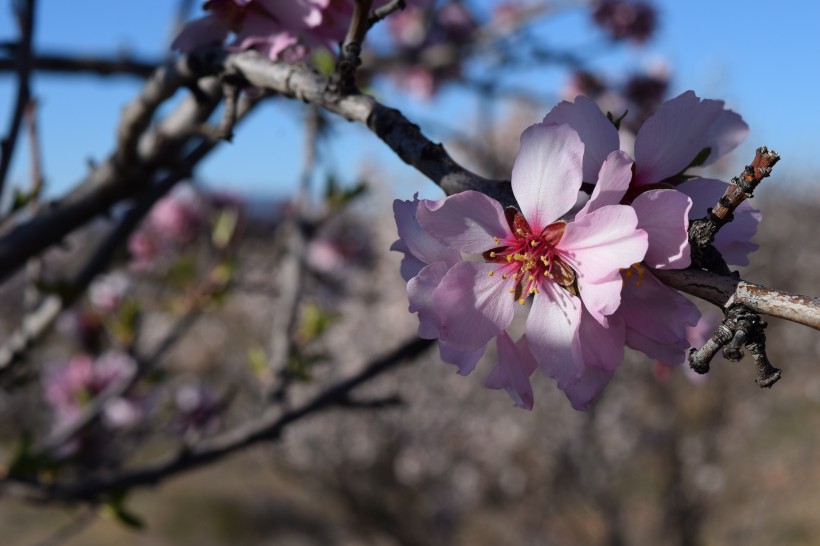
<point x="762" y="60"/>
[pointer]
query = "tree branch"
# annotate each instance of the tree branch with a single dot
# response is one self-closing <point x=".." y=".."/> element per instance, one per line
<point x="25" y="13"/>
<point x="268" y="427"/>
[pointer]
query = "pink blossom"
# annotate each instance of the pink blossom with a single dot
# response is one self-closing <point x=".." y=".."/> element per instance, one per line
<point x="285" y="30"/>
<point x="425" y="262"/>
<point x="683" y="130"/>
<point x="70" y="387"/>
<point x="570" y="268"/>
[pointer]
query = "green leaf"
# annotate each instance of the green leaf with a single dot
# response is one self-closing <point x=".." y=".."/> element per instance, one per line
<point x="324" y="62"/>
<point x="257" y="360"/>
<point x="315" y="322"/>
<point x="224" y="228"/>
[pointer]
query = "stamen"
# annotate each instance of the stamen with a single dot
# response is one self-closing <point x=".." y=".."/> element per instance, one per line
<point x="522" y="301"/>
<point x="504" y="276"/>
<point x="497" y="240"/>
<point x="492" y="273"/>
<point x="534" y="243"/>
<point x="492" y="254"/>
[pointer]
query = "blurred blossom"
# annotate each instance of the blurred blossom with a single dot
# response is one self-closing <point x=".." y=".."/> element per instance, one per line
<point x="626" y="20"/>
<point x="173" y="221"/>
<point x="279" y="30"/>
<point x="179" y="214"/>
<point x="197" y="408"/>
<point x="107" y="291"/>
<point x="73" y="385"/>
<point x="407" y="27"/>
<point x="456" y="21"/>
<point x="419" y="81"/>
<point x="84" y="325"/>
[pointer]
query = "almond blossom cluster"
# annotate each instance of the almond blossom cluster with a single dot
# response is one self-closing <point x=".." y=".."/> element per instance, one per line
<point x="585" y="272"/>
<point x="72" y="386"/>
<point x="280" y="30"/>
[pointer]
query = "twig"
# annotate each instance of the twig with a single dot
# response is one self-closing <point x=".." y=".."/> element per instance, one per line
<point x="38" y="322"/>
<point x="79" y="65"/>
<point x="269" y="426"/>
<point x="724" y="291"/>
<point x="291" y="267"/>
<point x="381" y="13"/>
<point x="25" y="13"/>
<point x="702" y="232"/>
<point x="344" y="77"/>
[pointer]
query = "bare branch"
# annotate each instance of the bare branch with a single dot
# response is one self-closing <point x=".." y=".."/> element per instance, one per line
<point x="25" y="13"/>
<point x="83" y="64"/>
<point x="269" y="426"/>
<point x="724" y="291"/>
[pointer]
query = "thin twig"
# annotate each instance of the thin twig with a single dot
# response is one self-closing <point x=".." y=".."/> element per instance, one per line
<point x="381" y="13"/>
<point x="83" y="65"/>
<point x="269" y="426"/>
<point x="25" y="12"/>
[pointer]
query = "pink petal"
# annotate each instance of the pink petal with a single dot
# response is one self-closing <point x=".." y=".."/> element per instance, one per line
<point x="552" y="333"/>
<point x="472" y="306"/>
<point x="656" y="318"/>
<point x="725" y="135"/>
<point x="588" y="388"/>
<point x="613" y="181"/>
<point x="207" y="30"/>
<point x="418" y="242"/>
<point x="546" y="176"/>
<point x="601" y="298"/>
<point x="410" y="265"/>
<point x="465" y="360"/>
<point x="664" y="216"/>
<point x="670" y="139"/>
<point x="420" y="295"/>
<point x="467" y="221"/>
<point x="734" y="239"/>
<point x="513" y="371"/>
<point x="603" y="242"/>
<point x="602" y="346"/>
<point x="599" y="135"/>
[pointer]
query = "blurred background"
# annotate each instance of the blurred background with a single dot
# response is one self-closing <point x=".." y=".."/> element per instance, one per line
<point x="665" y="457"/>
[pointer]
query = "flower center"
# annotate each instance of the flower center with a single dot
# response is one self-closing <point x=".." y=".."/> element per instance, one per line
<point x="530" y="258"/>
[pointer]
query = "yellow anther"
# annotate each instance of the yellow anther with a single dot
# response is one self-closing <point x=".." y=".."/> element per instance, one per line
<point x="492" y="254"/>
<point x="628" y="273"/>
<point x="504" y="276"/>
<point x="511" y="290"/>
<point x="547" y="274"/>
<point x="492" y="273"/>
<point x="531" y="278"/>
<point x="522" y="301"/>
<point x="533" y="243"/>
<point x="519" y="257"/>
<point x="497" y="240"/>
<point x="509" y="257"/>
<point x="515" y="275"/>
